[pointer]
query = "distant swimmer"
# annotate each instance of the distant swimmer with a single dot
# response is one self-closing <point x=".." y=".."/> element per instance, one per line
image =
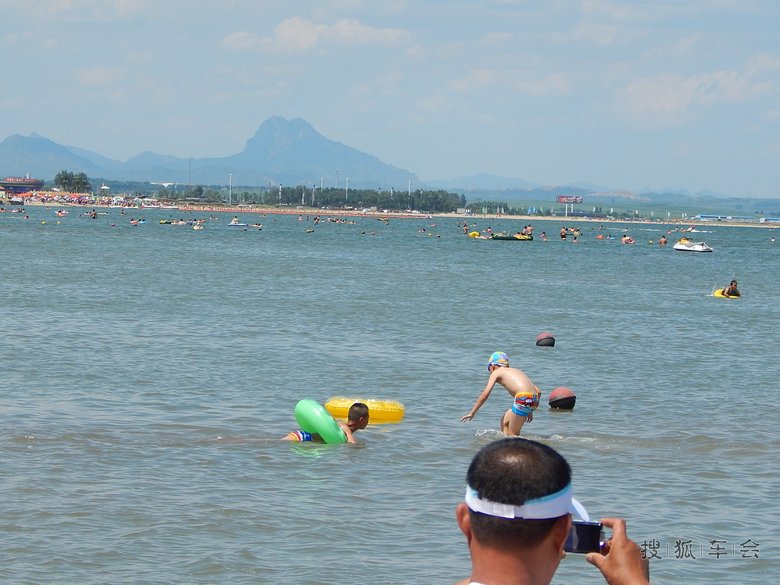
<point x="731" y="290"/>
<point x="662" y="241"/>
<point x="523" y="391"/>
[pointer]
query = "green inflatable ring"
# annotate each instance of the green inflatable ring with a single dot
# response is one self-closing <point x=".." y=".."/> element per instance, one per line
<point x="313" y="418"/>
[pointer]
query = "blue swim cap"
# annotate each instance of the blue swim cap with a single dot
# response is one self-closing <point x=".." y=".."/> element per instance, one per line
<point x="498" y="358"/>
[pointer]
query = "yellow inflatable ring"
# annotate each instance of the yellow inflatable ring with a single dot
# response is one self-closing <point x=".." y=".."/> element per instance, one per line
<point x="379" y="411"/>
<point x="474" y="234"/>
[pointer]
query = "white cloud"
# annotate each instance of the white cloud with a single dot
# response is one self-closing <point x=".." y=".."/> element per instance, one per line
<point x="553" y="85"/>
<point x="100" y="76"/>
<point x="634" y="13"/>
<point x="476" y="79"/>
<point x="86" y="10"/>
<point x="353" y="33"/>
<point x="771" y="115"/>
<point x="762" y="63"/>
<point x="241" y="40"/>
<point x="603" y="35"/>
<point x="30" y="38"/>
<point x="667" y="98"/>
<point x="299" y="34"/>
<point x="664" y="98"/>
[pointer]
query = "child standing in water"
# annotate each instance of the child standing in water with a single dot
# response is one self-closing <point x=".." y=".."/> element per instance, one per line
<point x="525" y="394"/>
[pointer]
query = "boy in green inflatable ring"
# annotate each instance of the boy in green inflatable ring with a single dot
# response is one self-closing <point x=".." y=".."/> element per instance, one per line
<point x="357" y="420"/>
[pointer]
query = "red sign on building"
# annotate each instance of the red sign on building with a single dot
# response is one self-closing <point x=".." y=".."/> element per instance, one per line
<point x="569" y="199"/>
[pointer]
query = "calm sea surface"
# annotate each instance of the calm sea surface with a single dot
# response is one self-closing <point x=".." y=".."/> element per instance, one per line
<point x="148" y="372"/>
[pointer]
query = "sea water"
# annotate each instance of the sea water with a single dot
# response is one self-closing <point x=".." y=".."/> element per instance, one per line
<point x="149" y="371"/>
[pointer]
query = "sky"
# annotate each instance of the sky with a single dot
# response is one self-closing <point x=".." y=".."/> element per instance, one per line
<point x="637" y="95"/>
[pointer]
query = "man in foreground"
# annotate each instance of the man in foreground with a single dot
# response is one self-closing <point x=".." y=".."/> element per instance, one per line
<point x="517" y="515"/>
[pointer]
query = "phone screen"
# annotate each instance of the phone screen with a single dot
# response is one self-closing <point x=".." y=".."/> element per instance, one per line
<point x="584" y="537"/>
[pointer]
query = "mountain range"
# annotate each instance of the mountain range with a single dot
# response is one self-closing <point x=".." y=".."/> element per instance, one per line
<point x="291" y="152"/>
<point x="282" y="152"/>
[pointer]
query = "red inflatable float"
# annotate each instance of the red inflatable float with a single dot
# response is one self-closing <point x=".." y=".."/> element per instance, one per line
<point x="545" y="339"/>
<point x="562" y="399"/>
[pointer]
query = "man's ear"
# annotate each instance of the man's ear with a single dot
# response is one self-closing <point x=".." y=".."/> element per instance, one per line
<point x="561" y="531"/>
<point x="464" y="520"/>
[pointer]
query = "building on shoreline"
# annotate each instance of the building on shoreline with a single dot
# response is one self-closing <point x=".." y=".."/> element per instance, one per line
<point x="18" y="185"/>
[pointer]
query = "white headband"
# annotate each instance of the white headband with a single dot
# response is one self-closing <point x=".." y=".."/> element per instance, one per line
<point x="543" y="508"/>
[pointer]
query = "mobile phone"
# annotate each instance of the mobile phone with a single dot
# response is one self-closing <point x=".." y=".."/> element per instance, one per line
<point x="584" y="537"/>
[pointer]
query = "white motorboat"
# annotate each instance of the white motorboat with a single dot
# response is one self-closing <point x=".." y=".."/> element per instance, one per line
<point x="688" y="245"/>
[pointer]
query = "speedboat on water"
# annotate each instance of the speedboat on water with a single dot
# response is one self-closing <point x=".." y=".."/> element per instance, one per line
<point x="688" y="245"/>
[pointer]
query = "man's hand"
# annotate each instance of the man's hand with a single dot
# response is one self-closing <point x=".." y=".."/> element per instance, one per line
<point x="622" y="562"/>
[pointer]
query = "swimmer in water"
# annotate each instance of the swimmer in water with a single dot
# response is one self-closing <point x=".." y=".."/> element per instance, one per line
<point x="357" y="420"/>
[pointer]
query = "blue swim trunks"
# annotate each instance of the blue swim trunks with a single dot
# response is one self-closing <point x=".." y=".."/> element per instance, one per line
<point x="301" y="436"/>
<point x="525" y="403"/>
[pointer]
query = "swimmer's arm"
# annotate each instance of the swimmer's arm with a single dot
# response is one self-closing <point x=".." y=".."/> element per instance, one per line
<point x="482" y="397"/>
<point x="347" y="432"/>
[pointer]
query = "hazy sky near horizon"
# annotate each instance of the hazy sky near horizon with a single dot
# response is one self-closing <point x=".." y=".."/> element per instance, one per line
<point x="677" y="94"/>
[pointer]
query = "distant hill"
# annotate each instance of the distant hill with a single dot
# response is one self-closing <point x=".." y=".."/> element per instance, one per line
<point x="291" y="152"/>
<point x="287" y="152"/>
<point x="660" y="202"/>
<point x="41" y="158"/>
<point x="480" y="181"/>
